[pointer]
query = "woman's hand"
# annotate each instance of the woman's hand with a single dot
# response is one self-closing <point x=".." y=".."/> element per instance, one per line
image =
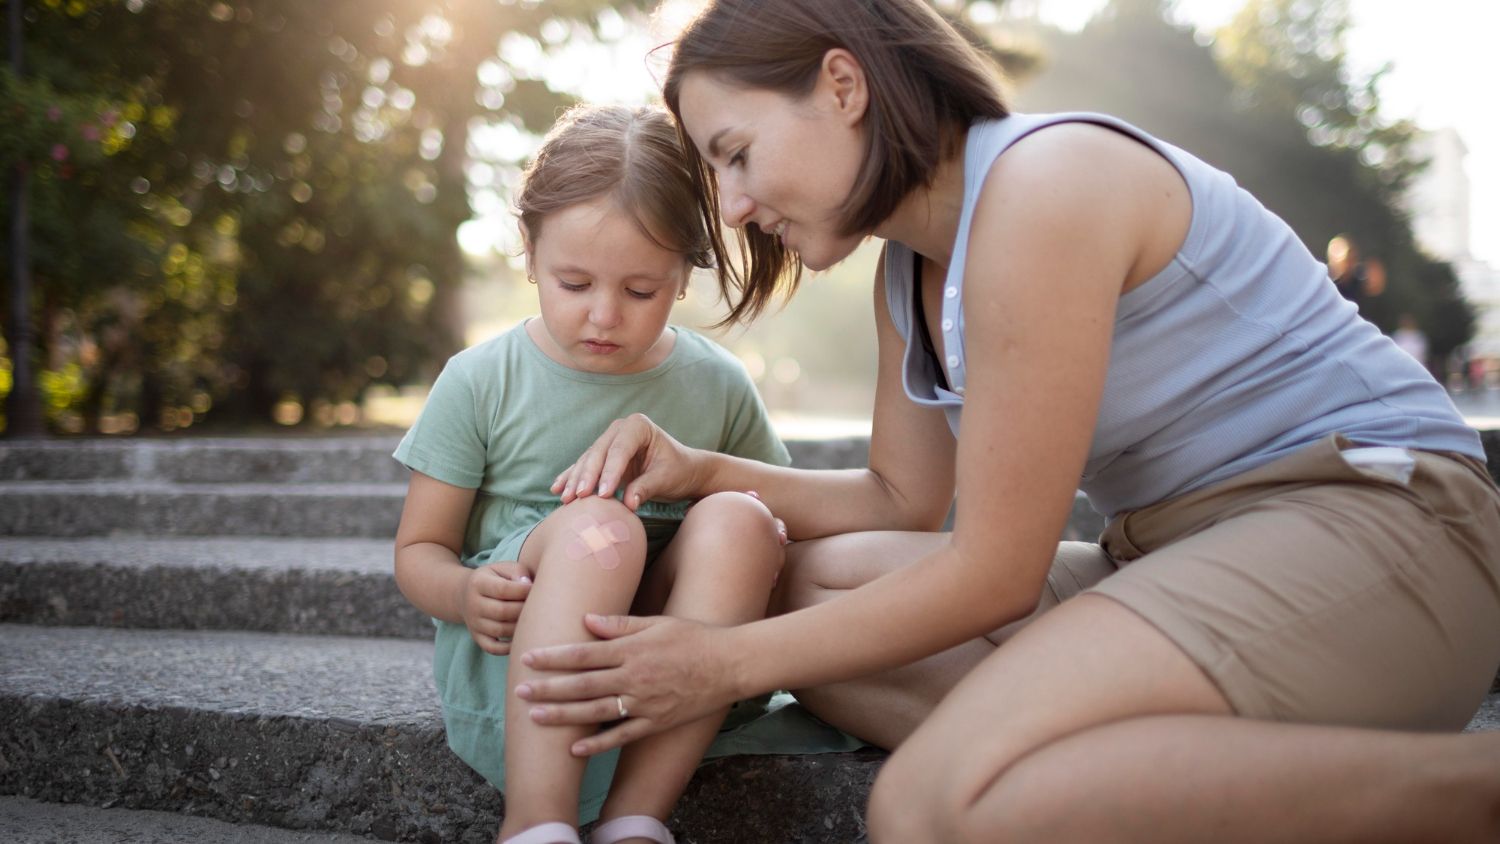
<point x="663" y="671"/>
<point x="635" y="452"/>
<point x="491" y="603"/>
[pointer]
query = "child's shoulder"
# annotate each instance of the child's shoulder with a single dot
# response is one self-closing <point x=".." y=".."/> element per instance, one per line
<point x="485" y="354"/>
<point x="695" y="348"/>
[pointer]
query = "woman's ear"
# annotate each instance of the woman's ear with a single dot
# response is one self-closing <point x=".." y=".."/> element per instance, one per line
<point x="843" y="79"/>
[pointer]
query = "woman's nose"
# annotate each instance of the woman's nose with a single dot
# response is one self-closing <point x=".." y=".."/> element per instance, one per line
<point x="735" y="206"/>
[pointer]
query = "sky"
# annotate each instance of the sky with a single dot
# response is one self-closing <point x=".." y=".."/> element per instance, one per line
<point x="1443" y="69"/>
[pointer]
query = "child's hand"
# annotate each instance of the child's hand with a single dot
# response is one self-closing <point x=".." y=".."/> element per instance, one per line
<point x="491" y="604"/>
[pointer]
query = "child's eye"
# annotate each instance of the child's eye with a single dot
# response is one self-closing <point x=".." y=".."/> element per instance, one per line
<point x="571" y="287"/>
<point x="642" y="294"/>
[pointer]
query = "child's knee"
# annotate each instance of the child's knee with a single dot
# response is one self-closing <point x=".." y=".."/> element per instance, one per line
<point x="737" y="513"/>
<point x="742" y="520"/>
<point x="598" y="533"/>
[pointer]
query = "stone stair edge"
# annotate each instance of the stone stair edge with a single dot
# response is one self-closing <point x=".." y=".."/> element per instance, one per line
<point x="355" y="555"/>
<point x="27" y="821"/>
<point x="275" y="585"/>
<point x="68" y="509"/>
<point x="125" y="486"/>
<point x="306" y="758"/>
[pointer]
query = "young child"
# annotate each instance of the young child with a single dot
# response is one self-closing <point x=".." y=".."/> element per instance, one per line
<point x="611" y="231"/>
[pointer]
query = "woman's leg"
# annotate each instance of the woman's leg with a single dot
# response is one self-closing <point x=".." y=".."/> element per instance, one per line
<point x="585" y="557"/>
<point x="720" y="568"/>
<point x="885" y="708"/>
<point x="1091" y="725"/>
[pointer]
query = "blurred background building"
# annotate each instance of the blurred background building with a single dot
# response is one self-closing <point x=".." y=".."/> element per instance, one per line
<point x="1440" y="203"/>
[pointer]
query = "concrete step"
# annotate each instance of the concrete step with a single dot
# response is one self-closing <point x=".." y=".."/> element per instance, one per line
<point x="309" y="586"/>
<point x="143" y="508"/>
<point x="103" y="508"/>
<point x="320" y="733"/>
<point x="24" y="821"/>
<point x="203" y="461"/>
<point x="275" y="460"/>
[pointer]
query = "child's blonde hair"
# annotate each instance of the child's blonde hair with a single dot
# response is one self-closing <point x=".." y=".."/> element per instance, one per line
<point x="632" y="155"/>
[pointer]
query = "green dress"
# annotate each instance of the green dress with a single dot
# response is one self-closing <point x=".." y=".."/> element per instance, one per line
<point x="505" y="419"/>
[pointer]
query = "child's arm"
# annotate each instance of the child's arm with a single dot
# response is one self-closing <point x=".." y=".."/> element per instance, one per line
<point x="487" y="600"/>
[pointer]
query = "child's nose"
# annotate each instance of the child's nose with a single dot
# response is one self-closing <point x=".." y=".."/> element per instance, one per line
<point x="604" y="312"/>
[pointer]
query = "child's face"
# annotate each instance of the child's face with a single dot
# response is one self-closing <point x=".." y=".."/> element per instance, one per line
<point x="606" y="289"/>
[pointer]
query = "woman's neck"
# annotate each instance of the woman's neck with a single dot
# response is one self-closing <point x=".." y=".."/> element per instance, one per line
<point x="927" y="219"/>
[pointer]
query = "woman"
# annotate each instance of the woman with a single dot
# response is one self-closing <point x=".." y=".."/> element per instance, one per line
<point x="1300" y="557"/>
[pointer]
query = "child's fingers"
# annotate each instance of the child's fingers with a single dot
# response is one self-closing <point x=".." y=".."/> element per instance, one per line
<point x="498" y="611"/>
<point x="497" y="645"/>
<point x="512" y="571"/>
<point x="493" y="587"/>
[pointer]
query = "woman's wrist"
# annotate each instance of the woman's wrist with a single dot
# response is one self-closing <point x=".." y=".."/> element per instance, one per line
<point x="747" y="676"/>
<point x="707" y="472"/>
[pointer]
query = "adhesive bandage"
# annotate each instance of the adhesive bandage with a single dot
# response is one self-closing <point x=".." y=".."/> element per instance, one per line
<point x="598" y="540"/>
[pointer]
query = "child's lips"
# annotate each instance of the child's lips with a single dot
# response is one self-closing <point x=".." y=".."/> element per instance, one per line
<point x="601" y="347"/>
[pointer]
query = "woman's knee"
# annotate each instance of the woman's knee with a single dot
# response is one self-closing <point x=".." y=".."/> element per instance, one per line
<point x="910" y="802"/>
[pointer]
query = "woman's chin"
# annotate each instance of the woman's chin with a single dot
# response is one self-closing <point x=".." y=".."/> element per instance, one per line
<point x="819" y="259"/>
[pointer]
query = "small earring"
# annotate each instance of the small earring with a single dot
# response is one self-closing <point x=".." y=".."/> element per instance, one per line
<point x="682" y="295"/>
<point x="530" y="279"/>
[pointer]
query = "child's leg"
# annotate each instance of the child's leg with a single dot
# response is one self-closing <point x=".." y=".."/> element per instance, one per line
<point x="720" y="568"/>
<point x="585" y="557"/>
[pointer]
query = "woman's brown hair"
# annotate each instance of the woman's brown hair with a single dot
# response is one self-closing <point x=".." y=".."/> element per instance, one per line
<point x="927" y="84"/>
<point x="632" y="155"/>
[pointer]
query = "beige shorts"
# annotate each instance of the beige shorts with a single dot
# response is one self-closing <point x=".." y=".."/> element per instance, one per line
<point x="1311" y="590"/>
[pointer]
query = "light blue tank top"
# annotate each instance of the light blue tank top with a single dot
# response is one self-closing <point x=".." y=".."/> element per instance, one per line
<point x="1237" y="353"/>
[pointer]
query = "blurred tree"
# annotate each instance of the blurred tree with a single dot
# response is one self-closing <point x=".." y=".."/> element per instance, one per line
<point x="1273" y="102"/>
<point x="240" y="201"/>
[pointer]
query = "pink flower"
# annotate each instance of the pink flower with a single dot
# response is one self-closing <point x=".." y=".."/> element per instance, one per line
<point x="59" y="152"/>
<point x="90" y="132"/>
<point x="54" y="113"/>
<point x="108" y="118"/>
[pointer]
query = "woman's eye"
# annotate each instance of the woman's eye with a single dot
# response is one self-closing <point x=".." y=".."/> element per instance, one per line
<point x="738" y="159"/>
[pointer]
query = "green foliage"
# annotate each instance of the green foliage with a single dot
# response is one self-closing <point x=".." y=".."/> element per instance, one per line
<point x="239" y="202"/>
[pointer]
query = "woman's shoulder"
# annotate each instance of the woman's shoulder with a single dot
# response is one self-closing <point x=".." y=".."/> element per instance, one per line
<point x="1063" y="170"/>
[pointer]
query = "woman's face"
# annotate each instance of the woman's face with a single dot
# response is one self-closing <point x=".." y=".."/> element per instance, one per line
<point x="784" y="164"/>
